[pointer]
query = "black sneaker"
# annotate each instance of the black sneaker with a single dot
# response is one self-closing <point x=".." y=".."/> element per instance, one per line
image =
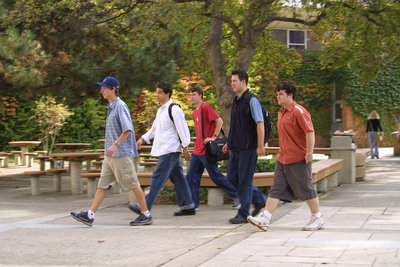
<point x="191" y="211"/>
<point x="142" y="220"/>
<point x="238" y="220"/>
<point x="83" y="218"/>
<point x="135" y="209"/>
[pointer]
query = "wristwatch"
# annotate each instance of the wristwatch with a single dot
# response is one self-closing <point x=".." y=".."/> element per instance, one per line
<point x="309" y="154"/>
<point x="116" y="142"/>
<point x="215" y="135"/>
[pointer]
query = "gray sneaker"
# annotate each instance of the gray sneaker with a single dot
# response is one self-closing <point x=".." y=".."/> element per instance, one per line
<point x="236" y="204"/>
<point x="135" y="209"/>
<point x="142" y="220"/>
<point x="83" y="218"/>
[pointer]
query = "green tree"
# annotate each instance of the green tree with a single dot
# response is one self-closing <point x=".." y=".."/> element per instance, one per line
<point x="51" y="117"/>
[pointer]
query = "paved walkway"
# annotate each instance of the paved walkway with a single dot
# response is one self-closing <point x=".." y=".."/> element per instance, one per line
<point x="362" y="229"/>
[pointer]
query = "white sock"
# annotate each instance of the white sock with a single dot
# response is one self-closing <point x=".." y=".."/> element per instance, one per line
<point x="90" y="214"/>
<point x="317" y="215"/>
<point x="146" y="213"/>
<point x="268" y="214"/>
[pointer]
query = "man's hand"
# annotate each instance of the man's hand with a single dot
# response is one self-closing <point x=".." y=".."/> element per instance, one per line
<point x="111" y="150"/>
<point x="208" y="139"/>
<point x="260" y="151"/>
<point x="186" y="155"/>
<point x="139" y="143"/>
<point x="225" y="148"/>
<point x="308" y="158"/>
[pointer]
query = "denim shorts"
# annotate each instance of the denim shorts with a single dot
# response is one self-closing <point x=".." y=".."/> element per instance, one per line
<point x="119" y="169"/>
<point x="293" y="180"/>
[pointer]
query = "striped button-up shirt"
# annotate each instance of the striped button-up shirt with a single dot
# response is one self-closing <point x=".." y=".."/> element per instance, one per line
<point x="119" y="121"/>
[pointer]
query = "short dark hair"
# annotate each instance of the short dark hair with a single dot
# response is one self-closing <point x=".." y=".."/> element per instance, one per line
<point x="197" y="89"/>
<point x="116" y="89"/>
<point x="242" y="75"/>
<point x="288" y="87"/>
<point x="166" y="87"/>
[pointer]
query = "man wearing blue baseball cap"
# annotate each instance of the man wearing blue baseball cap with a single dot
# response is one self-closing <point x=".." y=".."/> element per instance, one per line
<point x="119" y="148"/>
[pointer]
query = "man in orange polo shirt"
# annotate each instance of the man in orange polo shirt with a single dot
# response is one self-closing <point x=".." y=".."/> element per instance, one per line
<point x="293" y="176"/>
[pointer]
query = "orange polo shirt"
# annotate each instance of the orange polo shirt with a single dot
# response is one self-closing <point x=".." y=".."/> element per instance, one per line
<point x="293" y="124"/>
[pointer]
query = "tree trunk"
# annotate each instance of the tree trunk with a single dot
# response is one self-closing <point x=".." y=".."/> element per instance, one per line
<point x="222" y="80"/>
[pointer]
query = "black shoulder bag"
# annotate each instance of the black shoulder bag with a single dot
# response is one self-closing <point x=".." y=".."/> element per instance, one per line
<point x="214" y="148"/>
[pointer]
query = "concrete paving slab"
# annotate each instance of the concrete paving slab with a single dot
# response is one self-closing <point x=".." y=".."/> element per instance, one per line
<point x="362" y="229"/>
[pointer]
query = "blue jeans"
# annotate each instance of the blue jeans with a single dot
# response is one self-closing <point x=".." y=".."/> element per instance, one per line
<point x="373" y="145"/>
<point x="196" y="168"/>
<point x="242" y="165"/>
<point x="169" y="166"/>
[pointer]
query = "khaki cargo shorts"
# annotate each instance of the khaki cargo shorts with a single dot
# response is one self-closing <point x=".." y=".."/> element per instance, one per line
<point x="119" y="169"/>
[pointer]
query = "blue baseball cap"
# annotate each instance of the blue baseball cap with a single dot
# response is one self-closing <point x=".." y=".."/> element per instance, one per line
<point x="109" y="81"/>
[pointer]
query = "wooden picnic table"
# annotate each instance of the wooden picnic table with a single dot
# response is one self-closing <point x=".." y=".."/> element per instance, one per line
<point x="72" y="146"/>
<point x="24" y="147"/>
<point x="75" y="159"/>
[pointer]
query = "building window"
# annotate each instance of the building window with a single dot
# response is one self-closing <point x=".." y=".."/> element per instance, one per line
<point x="297" y="39"/>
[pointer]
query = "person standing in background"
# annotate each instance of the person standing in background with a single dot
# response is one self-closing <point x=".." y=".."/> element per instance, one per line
<point x="374" y="129"/>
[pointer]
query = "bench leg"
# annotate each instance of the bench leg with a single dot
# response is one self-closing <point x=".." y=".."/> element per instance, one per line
<point x="88" y="164"/>
<point x="30" y="159"/>
<point x="322" y="186"/>
<point x="16" y="159"/>
<point x="42" y="164"/>
<point x="5" y="162"/>
<point x="91" y="187"/>
<point x="35" y="185"/>
<point x="57" y="182"/>
<point x="215" y="197"/>
<point x="333" y="180"/>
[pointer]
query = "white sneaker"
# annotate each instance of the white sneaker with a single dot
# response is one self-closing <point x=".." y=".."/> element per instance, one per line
<point x="261" y="221"/>
<point x="236" y="204"/>
<point x="314" y="224"/>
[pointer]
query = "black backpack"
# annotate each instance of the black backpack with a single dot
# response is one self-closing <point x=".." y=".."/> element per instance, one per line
<point x="172" y="118"/>
<point x="266" y="116"/>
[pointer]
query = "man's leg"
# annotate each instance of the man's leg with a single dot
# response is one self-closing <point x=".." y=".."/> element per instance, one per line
<point x="160" y="177"/>
<point x="98" y="199"/>
<point x="218" y="178"/>
<point x="271" y="205"/>
<point x="139" y="194"/>
<point x="193" y="178"/>
<point x="313" y="204"/>
<point x="182" y="190"/>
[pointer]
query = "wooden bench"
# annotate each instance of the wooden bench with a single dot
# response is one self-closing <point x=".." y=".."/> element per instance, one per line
<point x="4" y="156"/>
<point x="35" y="181"/>
<point x="148" y="166"/>
<point x="274" y="150"/>
<point x="324" y="174"/>
<point x="56" y="178"/>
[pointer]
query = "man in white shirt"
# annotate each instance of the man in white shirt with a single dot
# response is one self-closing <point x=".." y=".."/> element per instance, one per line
<point x="170" y="136"/>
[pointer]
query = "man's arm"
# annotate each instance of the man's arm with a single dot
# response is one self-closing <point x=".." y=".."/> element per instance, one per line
<point x="218" y="128"/>
<point x="117" y="142"/>
<point x="310" y="141"/>
<point x="260" y="139"/>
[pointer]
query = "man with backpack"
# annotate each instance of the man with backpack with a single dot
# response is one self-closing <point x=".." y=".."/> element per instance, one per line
<point x="246" y="143"/>
<point x="171" y="135"/>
